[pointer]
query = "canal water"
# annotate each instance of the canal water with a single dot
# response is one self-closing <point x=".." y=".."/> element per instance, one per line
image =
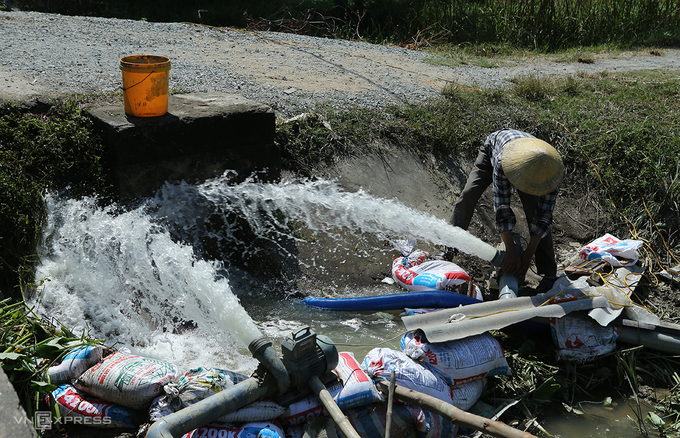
<point x="194" y="273"/>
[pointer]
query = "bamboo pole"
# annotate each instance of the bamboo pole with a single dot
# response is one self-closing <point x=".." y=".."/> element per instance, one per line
<point x="333" y="408"/>
<point x="390" y="401"/>
<point x="455" y="415"/>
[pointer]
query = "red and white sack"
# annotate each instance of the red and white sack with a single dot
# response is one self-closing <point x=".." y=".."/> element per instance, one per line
<point x="75" y="363"/>
<point x="380" y="362"/>
<point x="358" y="388"/>
<point x="613" y="250"/>
<point x="271" y="429"/>
<point x="581" y="339"/>
<point x="355" y="389"/>
<point x="308" y="408"/>
<point x="416" y="273"/>
<point x="127" y="379"/>
<point x="76" y="408"/>
<point x="459" y="361"/>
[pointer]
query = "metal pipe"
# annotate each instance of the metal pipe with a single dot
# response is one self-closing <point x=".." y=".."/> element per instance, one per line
<point x="453" y="414"/>
<point x="208" y="410"/>
<point x="508" y="285"/>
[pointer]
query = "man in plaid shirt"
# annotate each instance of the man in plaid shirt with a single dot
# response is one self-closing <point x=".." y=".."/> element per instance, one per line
<point x="511" y="158"/>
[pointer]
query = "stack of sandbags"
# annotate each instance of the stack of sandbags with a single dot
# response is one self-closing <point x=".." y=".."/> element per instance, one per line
<point x="107" y="391"/>
<point x="453" y="371"/>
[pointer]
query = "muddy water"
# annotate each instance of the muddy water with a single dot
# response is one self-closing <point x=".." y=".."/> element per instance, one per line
<point x="618" y="419"/>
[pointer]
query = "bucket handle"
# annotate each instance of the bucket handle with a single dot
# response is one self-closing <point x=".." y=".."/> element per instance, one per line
<point x="134" y="85"/>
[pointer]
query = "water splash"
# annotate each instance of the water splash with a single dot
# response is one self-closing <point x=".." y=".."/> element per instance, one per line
<point x="141" y="276"/>
<point x="123" y="277"/>
<point x="323" y="207"/>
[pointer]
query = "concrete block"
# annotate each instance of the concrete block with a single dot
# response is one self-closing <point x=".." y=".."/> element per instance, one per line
<point x="13" y="420"/>
<point x="201" y="136"/>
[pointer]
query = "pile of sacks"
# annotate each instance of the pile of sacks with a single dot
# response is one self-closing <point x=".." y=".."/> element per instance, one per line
<point x="103" y="388"/>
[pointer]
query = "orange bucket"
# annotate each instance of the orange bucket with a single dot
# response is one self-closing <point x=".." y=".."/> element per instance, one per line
<point x="145" y="85"/>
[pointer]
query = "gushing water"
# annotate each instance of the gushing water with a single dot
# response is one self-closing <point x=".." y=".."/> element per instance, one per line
<point x="141" y="276"/>
<point x="323" y="206"/>
<point x="123" y="277"/>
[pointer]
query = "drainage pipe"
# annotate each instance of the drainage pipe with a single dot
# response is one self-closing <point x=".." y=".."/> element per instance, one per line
<point x="455" y="415"/>
<point x="263" y="351"/>
<point x="508" y="285"/>
<point x="497" y="260"/>
<point x="333" y="408"/>
<point x="666" y="342"/>
<point x="208" y="410"/>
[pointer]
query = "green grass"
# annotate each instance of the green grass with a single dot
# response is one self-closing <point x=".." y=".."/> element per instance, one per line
<point x="544" y="25"/>
<point x="58" y="151"/>
<point x="28" y="346"/>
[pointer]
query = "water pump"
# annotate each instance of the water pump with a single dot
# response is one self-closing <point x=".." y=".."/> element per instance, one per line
<point x="305" y="357"/>
<point x="307" y="354"/>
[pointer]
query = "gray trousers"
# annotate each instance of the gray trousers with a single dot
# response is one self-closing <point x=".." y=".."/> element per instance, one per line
<point x="479" y="179"/>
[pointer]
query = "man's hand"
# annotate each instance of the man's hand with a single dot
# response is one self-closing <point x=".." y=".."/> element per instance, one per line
<point x="516" y="261"/>
<point x="513" y="260"/>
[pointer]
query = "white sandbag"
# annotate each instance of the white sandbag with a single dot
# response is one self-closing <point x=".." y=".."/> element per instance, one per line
<point x="76" y="408"/>
<point x="311" y="407"/>
<point x="380" y="362"/>
<point x="127" y="379"/>
<point x="459" y="361"/>
<point x="581" y="339"/>
<point x="75" y="363"/>
<point x="306" y="409"/>
<point x="358" y="388"/>
<point x="270" y="429"/>
<point x="613" y="250"/>
<point x="416" y="272"/>
<point x="465" y="395"/>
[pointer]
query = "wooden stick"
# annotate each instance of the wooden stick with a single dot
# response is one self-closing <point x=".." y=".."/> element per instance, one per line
<point x="390" y="400"/>
<point x="332" y="407"/>
<point x="455" y="415"/>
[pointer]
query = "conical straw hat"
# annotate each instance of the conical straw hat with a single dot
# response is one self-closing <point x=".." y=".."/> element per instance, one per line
<point x="532" y="165"/>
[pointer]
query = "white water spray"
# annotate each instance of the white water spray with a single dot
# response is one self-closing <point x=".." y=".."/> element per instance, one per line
<point x="123" y="277"/>
<point x="324" y="206"/>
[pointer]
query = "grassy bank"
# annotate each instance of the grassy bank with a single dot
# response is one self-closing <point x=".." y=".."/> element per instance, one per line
<point x="617" y="134"/>
<point x="539" y="24"/>
<point x="54" y="150"/>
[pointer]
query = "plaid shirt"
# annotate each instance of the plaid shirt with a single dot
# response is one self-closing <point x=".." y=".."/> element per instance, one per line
<point x="505" y="218"/>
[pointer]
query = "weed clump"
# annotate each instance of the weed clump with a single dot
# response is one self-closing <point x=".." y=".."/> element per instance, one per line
<point x="57" y="151"/>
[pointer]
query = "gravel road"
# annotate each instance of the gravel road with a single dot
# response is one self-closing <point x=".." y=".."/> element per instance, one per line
<point x="48" y="54"/>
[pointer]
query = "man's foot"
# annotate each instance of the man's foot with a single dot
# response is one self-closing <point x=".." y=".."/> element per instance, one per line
<point x="545" y="284"/>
